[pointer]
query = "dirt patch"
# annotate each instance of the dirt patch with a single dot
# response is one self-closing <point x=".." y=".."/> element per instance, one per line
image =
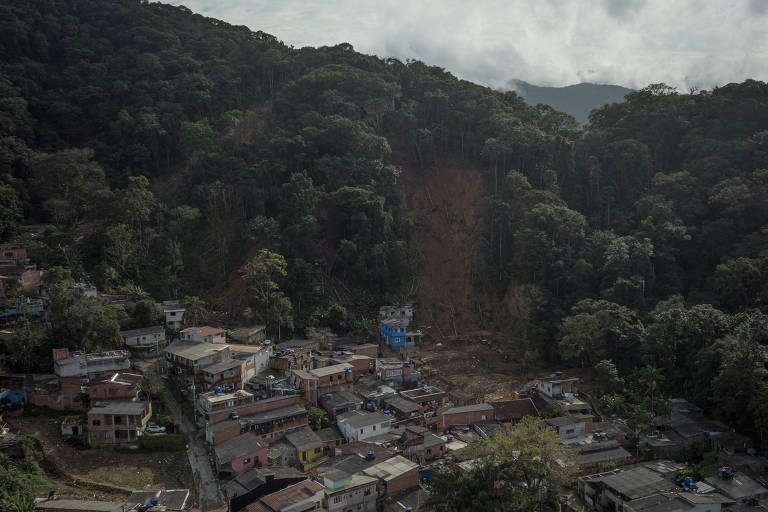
<point x="445" y="206"/>
<point x="101" y="471"/>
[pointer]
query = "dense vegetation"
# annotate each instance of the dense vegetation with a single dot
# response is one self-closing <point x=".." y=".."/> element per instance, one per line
<point x="162" y="154"/>
<point x="21" y="477"/>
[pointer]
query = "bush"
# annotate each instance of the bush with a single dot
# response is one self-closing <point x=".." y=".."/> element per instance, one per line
<point x="164" y="443"/>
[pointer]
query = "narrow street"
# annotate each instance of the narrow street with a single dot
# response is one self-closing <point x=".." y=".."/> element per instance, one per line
<point x="209" y="496"/>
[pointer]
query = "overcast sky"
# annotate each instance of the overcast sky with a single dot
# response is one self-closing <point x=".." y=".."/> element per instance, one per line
<point x="546" y="42"/>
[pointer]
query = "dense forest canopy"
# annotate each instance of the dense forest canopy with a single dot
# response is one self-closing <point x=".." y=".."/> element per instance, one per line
<point x="159" y="153"/>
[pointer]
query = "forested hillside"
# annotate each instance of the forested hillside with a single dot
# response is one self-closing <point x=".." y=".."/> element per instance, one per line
<point x="152" y="151"/>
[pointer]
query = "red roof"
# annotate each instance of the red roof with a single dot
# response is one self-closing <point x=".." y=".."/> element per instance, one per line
<point x="206" y="330"/>
<point x="288" y="496"/>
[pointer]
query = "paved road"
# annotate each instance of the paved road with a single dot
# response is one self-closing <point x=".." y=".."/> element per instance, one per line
<point x="209" y="496"/>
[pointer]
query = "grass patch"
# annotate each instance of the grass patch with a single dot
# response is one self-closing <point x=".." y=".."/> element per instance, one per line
<point x="38" y="411"/>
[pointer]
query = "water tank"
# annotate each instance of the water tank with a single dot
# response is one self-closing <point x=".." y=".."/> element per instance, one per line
<point x="449" y="438"/>
<point x="688" y="481"/>
<point x="527" y="389"/>
<point x="558" y="374"/>
<point x="347" y="369"/>
<point x="386" y="412"/>
<point x="328" y="396"/>
<point x="154" y="500"/>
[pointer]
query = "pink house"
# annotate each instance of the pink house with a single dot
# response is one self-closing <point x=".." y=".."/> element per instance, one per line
<point x="239" y="454"/>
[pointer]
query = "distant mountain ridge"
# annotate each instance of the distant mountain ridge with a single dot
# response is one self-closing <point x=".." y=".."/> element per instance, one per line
<point x="577" y="100"/>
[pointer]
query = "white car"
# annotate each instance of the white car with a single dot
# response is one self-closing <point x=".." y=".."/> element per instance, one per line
<point x="154" y="428"/>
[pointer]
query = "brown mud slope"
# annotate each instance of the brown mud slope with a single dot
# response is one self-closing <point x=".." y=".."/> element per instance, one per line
<point x="446" y="207"/>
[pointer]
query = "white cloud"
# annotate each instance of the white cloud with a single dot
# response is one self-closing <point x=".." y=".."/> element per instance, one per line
<point x="546" y="42"/>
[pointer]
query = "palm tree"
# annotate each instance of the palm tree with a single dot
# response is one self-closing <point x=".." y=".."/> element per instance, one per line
<point x="196" y="312"/>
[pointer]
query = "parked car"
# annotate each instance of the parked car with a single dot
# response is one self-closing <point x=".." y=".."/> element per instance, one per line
<point x="154" y="428"/>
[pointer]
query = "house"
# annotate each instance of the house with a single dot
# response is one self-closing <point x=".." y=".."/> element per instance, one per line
<point x="322" y="381"/>
<point x="414" y="500"/>
<point x="273" y="424"/>
<point x="359" y="425"/>
<point x="593" y="455"/>
<point x="401" y="312"/>
<point x="67" y="393"/>
<point x="677" y="501"/>
<point x="118" y="386"/>
<point x="331" y="437"/>
<point x="557" y="386"/>
<point x="303" y="496"/>
<point x="374" y="453"/>
<point x="256" y="358"/>
<point x="340" y="402"/>
<point x="467" y="415"/>
<point x="163" y="499"/>
<point x="74" y="425"/>
<point x="253" y="335"/>
<point x="12" y="255"/>
<point x="461" y="398"/>
<point x="421" y="444"/>
<point x="205" y="334"/>
<point x="393" y="331"/>
<point x="117" y="422"/>
<point x="401" y="407"/>
<point x="611" y="491"/>
<point x="147" y="337"/>
<point x="174" y="314"/>
<point x="426" y="396"/>
<point x="242" y="407"/>
<point x="394" y="475"/>
<point x="510" y="412"/>
<point x="239" y="454"/>
<point x="360" y="365"/>
<point x="309" y="447"/>
<point x="217" y="433"/>
<point x="737" y="486"/>
<point x="373" y="391"/>
<point x="571" y="426"/>
<point x="349" y="492"/>
<point x="185" y="359"/>
<point x="214" y="401"/>
<point x="397" y="373"/>
<point x="257" y="482"/>
<point x="227" y="375"/>
<point x="78" y="364"/>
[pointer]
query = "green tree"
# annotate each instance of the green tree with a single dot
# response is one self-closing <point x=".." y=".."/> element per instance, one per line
<point x="195" y="312"/>
<point x="260" y="275"/>
<point x="520" y="468"/>
<point x="318" y="418"/>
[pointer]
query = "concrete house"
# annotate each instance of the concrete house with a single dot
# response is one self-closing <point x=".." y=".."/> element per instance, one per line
<point x="117" y="422"/>
<point x="79" y="364"/>
<point x="300" y="497"/>
<point x="349" y="492"/>
<point x="467" y="415"/>
<point x="147" y="337"/>
<point x="185" y="359"/>
<point x="340" y="402"/>
<point x="253" y="335"/>
<point x="394" y="475"/>
<point x="227" y="375"/>
<point x="571" y="426"/>
<point x="255" y="483"/>
<point x="118" y="386"/>
<point x="237" y="455"/>
<point x="205" y="334"/>
<point x="557" y="386"/>
<point x="174" y="314"/>
<point x="360" y="425"/>
<point x="309" y="447"/>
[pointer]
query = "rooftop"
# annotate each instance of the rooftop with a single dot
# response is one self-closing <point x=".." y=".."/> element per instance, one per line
<point x="256" y="477"/>
<point x="304" y="439"/>
<point x="468" y="408"/>
<point x="636" y="482"/>
<point x="222" y="366"/>
<point x="249" y="349"/>
<point x="144" y="331"/>
<point x="354" y="481"/>
<point x="561" y="421"/>
<point x="558" y="378"/>
<point x="214" y="397"/>
<point x="289" y="410"/>
<point x="341" y="398"/>
<point x="329" y="370"/>
<point x="124" y="378"/>
<point x="291" y="494"/>
<point x="192" y="350"/>
<point x="205" y="330"/>
<point x="84" y="505"/>
<point x="329" y="434"/>
<point x="513" y="410"/>
<point x="126" y="407"/>
<point x="392" y="468"/>
<point x="358" y="419"/>
<point x="738" y="487"/>
<point x="402" y="404"/>
<point x="614" y="454"/>
<point x="422" y="392"/>
<point x="237" y="447"/>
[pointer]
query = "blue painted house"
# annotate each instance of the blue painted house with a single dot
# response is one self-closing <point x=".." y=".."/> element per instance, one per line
<point x="393" y="331"/>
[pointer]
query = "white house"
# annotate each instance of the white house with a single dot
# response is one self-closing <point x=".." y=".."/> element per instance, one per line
<point x="205" y="334"/>
<point x="147" y="336"/>
<point x="358" y="425"/>
<point x="174" y="314"/>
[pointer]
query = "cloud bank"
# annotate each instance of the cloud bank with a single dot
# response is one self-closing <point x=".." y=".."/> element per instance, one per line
<point x="684" y="43"/>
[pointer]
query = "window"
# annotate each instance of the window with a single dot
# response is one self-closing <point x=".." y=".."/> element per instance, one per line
<point x="361" y="431"/>
<point x="246" y="460"/>
<point x="570" y="431"/>
<point x="118" y="420"/>
<point x="374" y="428"/>
<point x="338" y="499"/>
<point x="397" y="340"/>
<point x="173" y="313"/>
<point x="96" y="422"/>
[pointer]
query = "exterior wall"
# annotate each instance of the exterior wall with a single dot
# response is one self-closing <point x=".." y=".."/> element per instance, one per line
<point x="466" y="418"/>
<point x="91" y="365"/>
<point x="363" y="497"/>
<point x="308" y="458"/>
<point x="145" y="339"/>
<point x="254" y="459"/>
<point x="574" y="429"/>
<point x="107" y="431"/>
<point x="404" y="481"/>
<point x="61" y="396"/>
<point x="351" y="433"/>
<point x="367" y="350"/>
<point x="111" y="391"/>
<point x="231" y="377"/>
<point x="255" y="407"/>
<point x="174" y="319"/>
<point x="395" y="336"/>
<point x="434" y="450"/>
<point x="224" y="434"/>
